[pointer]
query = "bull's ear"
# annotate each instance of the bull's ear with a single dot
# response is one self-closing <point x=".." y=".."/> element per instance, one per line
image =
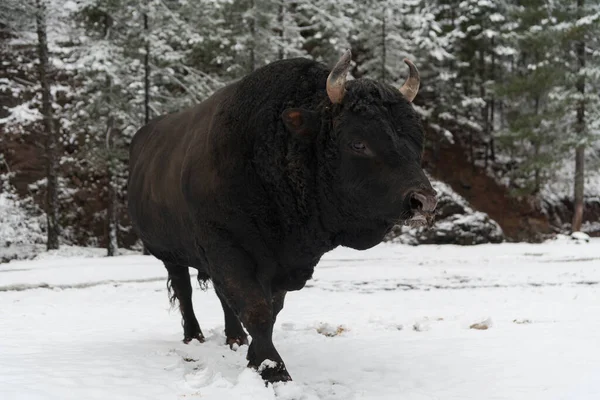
<point x="300" y="121"/>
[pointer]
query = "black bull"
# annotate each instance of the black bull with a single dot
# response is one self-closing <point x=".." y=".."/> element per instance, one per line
<point x="252" y="186"/>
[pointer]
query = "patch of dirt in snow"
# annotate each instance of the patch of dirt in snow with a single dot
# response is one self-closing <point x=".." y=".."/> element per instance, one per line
<point x="522" y="321"/>
<point x="483" y="325"/>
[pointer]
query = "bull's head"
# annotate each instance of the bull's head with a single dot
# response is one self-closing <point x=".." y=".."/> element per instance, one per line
<point x="378" y="139"/>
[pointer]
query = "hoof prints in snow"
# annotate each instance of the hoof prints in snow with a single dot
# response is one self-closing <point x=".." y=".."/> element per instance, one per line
<point x="405" y="336"/>
<point x="329" y="330"/>
<point x="392" y="285"/>
<point x="582" y="259"/>
<point x="363" y="287"/>
<point x="22" y="287"/>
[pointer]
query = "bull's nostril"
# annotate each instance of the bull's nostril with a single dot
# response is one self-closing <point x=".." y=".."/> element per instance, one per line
<point x="416" y="201"/>
<point x="422" y="203"/>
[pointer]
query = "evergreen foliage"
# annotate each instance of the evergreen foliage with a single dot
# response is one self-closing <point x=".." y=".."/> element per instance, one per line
<point x="501" y="79"/>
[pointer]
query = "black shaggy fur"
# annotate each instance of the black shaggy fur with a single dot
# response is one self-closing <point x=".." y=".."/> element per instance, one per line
<point x="252" y="186"/>
<point x="203" y="285"/>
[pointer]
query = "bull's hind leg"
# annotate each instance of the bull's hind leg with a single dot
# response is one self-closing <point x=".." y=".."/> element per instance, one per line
<point x="180" y="288"/>
<point x="233" y="328"/>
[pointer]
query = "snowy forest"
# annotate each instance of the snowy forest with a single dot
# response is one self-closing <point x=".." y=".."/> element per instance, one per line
<point x="509" y="101"/>
<point x="498" y="299"/>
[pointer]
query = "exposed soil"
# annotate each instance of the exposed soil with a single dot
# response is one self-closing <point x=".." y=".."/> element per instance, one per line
<point x="520" y="219"/>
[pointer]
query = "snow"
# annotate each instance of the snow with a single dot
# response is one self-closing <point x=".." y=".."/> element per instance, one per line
<point x="592" y="227"/>
<point x="562" y="186"/>
<point x="580" y="236"/>
<point x="17" y="225"/>
<point x="21" y="114"/>
<point x="391" y="322"/>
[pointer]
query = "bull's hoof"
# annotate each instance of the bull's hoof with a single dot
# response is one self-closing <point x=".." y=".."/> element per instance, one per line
<point x="272" y="372"/>
<point x="199" y="337"/>
<point x="239" y="341"/>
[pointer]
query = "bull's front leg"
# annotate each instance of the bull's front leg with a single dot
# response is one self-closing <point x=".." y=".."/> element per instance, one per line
<point x="277" y="303"/>
<point x="234" y="276"/>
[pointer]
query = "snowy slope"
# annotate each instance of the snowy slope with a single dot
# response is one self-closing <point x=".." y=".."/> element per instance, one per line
<point x="398" y="317"/>
<point x="17" y="224"/>
<point x="21" y="225"/>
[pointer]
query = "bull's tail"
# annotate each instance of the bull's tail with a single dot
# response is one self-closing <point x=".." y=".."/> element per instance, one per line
<point x="203" y="281"/>
<point x="171" y="292"/>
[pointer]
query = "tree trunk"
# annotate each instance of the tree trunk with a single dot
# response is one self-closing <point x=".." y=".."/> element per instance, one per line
<point x="146" y="71"/>
<point x="579" y="186"/>
<point x="482" y="94"/>
<point x="535" y="142"/>
<point x="112" y="215"/>
<point x="471" y="149"/>
<point x="537" y="181"/>
<point x="580" y="150"/>
<point x="281" y="27"/>
<point x="111" y="211"/>
<point x="252" y="28"/>
<point x="383" y="48"/>
<point x="146" y="91"/>
<point x="49" y="130"/>
<point x="112" y="223"/>
<point x="492" y="103"/>
<point x="110" y="159"/>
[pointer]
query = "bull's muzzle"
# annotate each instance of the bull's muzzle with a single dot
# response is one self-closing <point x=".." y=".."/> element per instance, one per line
<point x="422" y="206"/>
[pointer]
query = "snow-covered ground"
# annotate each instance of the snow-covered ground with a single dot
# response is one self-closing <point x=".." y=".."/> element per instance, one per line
<point x="389" y="323"/>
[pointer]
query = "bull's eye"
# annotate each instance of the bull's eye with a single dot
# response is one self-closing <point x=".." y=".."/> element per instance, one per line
<point x="358" y="146"/>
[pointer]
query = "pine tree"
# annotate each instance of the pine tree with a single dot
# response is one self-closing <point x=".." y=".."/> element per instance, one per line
<point x="580" y="128"/>
<point x="471" y="35"/>
<point x="533" y="118"/>
<point x="578" y="30"/>
<point x="382" y="39"/>
<point x="112" y="82"/>
<point x="326" y="27"/>
<point x="50" y="132"/>
<point x="31" y="47"/>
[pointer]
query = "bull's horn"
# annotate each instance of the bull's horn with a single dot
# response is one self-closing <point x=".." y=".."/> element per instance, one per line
<point x="337" y="78"/>
<point x="411" y="87"/>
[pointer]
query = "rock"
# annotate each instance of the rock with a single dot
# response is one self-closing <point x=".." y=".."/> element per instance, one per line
<point x="560" y="212"/>
<point x="455" y="223"/>
<point x="580" y="236"/>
